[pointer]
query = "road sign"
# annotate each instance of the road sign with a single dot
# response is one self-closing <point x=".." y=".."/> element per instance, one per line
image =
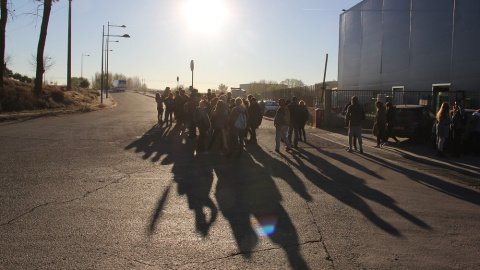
<point x="191" y="65"/>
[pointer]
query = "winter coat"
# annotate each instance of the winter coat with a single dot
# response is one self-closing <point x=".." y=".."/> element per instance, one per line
<point x="235" y="113"/>
<point x="355" y="115"/>
<point x="282" y="117"/>
<point x="201" y="119"/>
<point x="219" y="119"/>
<point x="255" y="115"/>
<point x="443" y="127"/>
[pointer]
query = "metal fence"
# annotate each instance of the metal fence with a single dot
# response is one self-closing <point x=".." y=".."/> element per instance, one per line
<point x="314" y="97"/>
<point x="310" y="94"/>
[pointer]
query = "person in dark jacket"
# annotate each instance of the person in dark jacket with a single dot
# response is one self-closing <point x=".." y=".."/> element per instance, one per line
<point x="238" y="132"/>
<point x="303" y="112"/>
<point x="380" y="125"/>
<point x="390" y="118"/>
<point x="458" y="127"/>
<point x="169" y="108"/>
<point x="295" y="120"/>
<point x="353" y="119"/>
<point x="281" y="122"/>
<point x="202" y="121"/>
<point x="254" y="120"/>
<point x="219" y="121"/>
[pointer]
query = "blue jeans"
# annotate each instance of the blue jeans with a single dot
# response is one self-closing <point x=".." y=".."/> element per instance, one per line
<point x="281" y="132"/>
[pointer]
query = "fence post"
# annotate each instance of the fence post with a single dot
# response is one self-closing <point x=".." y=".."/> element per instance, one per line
<point x="328" y="107"/>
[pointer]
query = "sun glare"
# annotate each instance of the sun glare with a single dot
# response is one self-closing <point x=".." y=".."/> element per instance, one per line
<point x="205" y="15"/>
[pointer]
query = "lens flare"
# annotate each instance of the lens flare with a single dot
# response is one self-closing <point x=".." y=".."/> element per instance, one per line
<point x="264" y="226"/>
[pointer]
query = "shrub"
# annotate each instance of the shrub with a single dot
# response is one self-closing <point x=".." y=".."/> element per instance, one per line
<point x="57" y="96"/>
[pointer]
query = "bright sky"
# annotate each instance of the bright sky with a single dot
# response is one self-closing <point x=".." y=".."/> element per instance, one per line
<point x="230" y="41"/>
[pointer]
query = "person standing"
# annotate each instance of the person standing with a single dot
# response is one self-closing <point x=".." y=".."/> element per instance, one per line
<point x="293" y="108"/>
<point x="390" y="118"/>
<point x="303" y="113"/>
<point x="169" y="108"/>
<point x="219" y="121"/>
<point x="458" y="127"/>
<point x="281" y="122"/>
<point x="190" y="107"/>
<point x="254" y="120"/>
<point x="380" y="125"/>
<point x="344" y="112"/>
<point x="443" y="127"/>
<point x="353" y="119"/>
<point x="159" y="100"/>
<point x="203" y="123"/>
<point x="238" y="124"/>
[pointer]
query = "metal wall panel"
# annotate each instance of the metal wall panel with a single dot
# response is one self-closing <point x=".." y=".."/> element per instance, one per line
<point x="411" y="43"/>
<point x="466" y="52"/>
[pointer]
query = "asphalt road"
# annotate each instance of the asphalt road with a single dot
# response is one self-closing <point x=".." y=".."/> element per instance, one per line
<point x="113" y="190"/>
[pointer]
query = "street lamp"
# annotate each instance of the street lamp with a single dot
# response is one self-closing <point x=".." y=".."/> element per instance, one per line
<point x="108" y="41"/>
<point x="81" y="70"/>
<point x="103" y="45"/>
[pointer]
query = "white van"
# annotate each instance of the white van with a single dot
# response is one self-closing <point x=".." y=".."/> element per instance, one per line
<point x="119" y="85"/>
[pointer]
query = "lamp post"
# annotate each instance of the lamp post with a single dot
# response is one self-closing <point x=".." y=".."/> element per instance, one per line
<point x="81" y="69"/>
<point x="108" y="41"/>
<point x="103" y="46"/>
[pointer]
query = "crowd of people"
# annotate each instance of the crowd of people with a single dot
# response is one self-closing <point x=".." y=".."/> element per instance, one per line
<point x="229" y="122"/>
<point x="449" y="126"/>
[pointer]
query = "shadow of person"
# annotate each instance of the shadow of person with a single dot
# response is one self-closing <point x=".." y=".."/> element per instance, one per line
<point x="345" y="187"/>
<point x="279" y="169"/>
<point x="366" y="192"/>
<point x="451" y="189"/>
<point x="249" y="199"/>
<point x="193" y="174"/>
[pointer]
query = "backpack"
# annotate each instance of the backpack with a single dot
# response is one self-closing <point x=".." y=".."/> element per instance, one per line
<point x="241" y="122"/>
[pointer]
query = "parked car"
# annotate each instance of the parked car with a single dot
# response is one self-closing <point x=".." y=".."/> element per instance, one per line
<point x="414" y="122"/>
<point x="270" y="107"/>
<point x="467" y="136"/>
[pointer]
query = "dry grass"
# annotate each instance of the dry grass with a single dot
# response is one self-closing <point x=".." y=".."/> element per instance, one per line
<point x="19" y="97"/>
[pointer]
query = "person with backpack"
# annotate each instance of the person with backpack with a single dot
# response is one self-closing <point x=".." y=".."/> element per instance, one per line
<point x="353" y="119"/>
<point x="281" y="123"/>
<point x="238" y="124"/>
<point x="203" y="123"/>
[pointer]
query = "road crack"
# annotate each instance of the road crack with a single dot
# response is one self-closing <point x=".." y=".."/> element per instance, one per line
<point x="85" y="195"/>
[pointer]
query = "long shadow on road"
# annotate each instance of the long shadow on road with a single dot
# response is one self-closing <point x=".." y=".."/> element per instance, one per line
<point x="349" y="189"/>
<point x="246" y="193"/>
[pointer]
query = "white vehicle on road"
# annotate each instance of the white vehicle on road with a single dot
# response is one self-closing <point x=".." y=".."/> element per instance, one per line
<point x="119" y="85"/>
<point x="270" y="107"/>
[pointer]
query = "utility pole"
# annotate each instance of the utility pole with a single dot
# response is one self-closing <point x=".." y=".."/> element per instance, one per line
<point x="69" y="58"/>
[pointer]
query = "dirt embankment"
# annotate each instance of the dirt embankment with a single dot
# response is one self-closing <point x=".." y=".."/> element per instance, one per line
<point x="17" y="99"/>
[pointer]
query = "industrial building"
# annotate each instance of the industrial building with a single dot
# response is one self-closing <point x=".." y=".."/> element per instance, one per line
<point x="412" y="45"/>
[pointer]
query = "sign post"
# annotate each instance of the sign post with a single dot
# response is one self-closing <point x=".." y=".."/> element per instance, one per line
<point x="177" y="81"/>
<point x="191" y="68"/>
